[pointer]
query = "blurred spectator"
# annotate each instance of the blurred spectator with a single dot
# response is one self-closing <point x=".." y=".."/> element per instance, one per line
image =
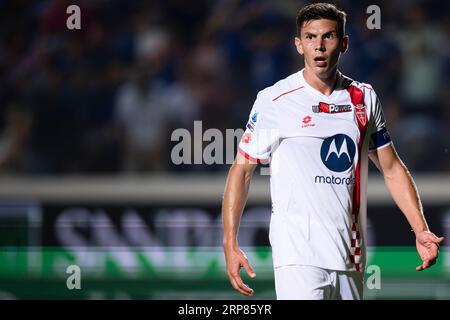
<point x="422" y="61"/>
<point x="142" y="117"/>
<point x="17" y="124"/>
<point x="418" y="142"/>
<point x="70" y="104"/>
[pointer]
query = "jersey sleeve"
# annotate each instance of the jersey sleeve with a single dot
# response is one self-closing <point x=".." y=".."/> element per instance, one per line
<point x="378" y="134"/>
<point x="261" y="134"/>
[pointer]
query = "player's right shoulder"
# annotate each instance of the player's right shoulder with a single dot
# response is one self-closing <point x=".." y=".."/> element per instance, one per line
<point x="270" y="99"/>
<point x="283" y="87"/>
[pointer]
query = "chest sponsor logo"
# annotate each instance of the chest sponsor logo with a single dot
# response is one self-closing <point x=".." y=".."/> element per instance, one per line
<point x="338" y="152"/>
<point x="331" y="108"/>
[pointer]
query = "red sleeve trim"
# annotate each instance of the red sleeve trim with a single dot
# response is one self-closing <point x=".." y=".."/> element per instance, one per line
<point x="249" y="157"/>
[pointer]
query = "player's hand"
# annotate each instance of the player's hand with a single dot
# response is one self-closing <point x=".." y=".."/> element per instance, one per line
<point x="236" y="259"/>
<point x="428" y="248"/>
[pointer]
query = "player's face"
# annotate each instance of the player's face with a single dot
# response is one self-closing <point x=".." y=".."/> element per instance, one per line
<point x="321" y="46"/>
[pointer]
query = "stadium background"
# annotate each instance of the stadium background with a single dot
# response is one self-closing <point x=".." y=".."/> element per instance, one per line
<point x="85" y="141"/>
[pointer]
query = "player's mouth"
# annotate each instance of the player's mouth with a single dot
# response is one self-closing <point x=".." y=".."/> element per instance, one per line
<point x="320" y="61"/>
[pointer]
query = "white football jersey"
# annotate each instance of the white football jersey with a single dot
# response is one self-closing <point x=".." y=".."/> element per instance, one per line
<point x="317" y="147"/>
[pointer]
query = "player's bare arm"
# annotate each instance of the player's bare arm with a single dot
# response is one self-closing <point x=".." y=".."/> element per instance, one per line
<point x="234" y="199"/>
<point x="404" y="192"/>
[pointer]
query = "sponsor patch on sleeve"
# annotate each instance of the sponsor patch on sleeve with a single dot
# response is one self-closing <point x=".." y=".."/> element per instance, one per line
<point x="251" y="124"/>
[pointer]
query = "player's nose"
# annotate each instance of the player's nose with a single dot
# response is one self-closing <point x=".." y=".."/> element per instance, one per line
<point x="320" y="46"/>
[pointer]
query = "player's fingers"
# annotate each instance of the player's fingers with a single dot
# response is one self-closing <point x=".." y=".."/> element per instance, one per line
<point x="431" y="237"/>
<point x="236" y="287"/>
<point x="249" y="268"/>
<point x="233" y="281"/>
<point x="245" y="288"/>
<point x="434" y="256"/>
<point x="237" y="283"/>
<point x="437" y="240"/>
<point x="241" y="288"/>
<point x="432" y="263"/>
<point x="421" y="267"/>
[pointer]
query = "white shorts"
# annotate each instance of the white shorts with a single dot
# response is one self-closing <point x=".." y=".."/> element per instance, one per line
<point x="299" y="282"/>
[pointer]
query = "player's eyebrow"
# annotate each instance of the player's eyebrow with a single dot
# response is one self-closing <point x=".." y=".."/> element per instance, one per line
<point x="329" y="32"/>
<point x="315" y="35"/>
<point x="309" y="34"/>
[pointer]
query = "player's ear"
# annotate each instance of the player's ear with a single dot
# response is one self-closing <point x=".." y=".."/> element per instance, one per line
<point x="344" y="44"/>
<point x="298" y="45"/>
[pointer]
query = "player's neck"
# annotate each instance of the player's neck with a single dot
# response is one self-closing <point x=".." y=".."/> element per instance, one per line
<point x="325" y="84"/>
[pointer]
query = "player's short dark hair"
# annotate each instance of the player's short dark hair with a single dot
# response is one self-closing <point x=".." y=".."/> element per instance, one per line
<point x="321" y="10"/>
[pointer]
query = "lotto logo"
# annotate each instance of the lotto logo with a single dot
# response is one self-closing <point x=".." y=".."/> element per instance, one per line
<point x="307" y="122"/>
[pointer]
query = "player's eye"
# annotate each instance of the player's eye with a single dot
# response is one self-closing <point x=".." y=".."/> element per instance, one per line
<point x="309" y="36"/>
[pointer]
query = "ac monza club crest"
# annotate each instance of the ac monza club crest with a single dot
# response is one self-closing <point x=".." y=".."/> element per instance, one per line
<point x="361" y="114"/>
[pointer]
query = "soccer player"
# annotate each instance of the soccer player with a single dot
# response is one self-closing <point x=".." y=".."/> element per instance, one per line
<point x="317" y="128"/>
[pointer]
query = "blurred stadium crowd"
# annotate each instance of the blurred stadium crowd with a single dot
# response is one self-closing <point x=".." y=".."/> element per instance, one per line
<point x="106" y="98"/>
